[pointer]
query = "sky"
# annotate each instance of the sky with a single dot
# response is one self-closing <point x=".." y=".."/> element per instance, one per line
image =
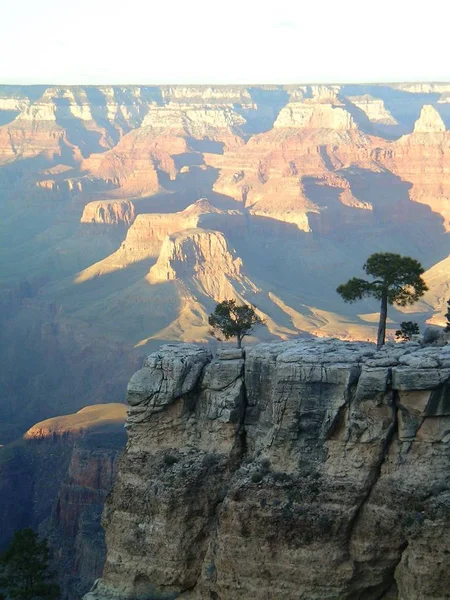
<point x="222" y="41"/>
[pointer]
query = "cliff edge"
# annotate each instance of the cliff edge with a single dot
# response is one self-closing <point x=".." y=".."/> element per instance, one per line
<point x="315" y="469"/>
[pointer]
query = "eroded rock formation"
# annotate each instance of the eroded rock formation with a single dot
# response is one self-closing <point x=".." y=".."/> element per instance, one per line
<point x="312" y="469"/>
<point x="55" y="480"/>
<point x="112" y="212"/>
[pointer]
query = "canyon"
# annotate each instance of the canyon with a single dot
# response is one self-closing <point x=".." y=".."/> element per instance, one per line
<point x="310" y="469"/>
<point x="55" y="480"/>
<point x="129" y="211"/>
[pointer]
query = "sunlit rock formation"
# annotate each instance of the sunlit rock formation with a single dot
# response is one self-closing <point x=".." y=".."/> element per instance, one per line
<point x="300" y="183"/>
<point x="109" y="212"/>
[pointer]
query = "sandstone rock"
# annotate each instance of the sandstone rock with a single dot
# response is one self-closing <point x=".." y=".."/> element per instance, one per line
<point x="429" y="121"/>
<point x="372" y="382"/>
<point x="56" y="480"/>
<point x="146" y="234"/>
<point x="230" y="353"/>
<point x="112" y="212"/>
<point x="273" y="467"/>
<point x="165" y="377"/>
<point x="314" y="116"/>
<point x="374" y="108"/>
<point x="404" y="378"/>
<point x="204" y="260"/>
<point x="223" y="383"/>
<point x="433" y="335"/>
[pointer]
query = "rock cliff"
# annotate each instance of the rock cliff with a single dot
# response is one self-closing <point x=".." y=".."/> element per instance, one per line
<point x="314" y="469"/>
<point x="74" y="530"/>
<point x="55" y="480"/>
<point x="112" y="212"/>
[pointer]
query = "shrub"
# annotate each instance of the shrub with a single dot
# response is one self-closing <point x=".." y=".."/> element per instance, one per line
<point x="257" y="476"/>
<point x="407" y="330"/>
<point x="169" y="460"/>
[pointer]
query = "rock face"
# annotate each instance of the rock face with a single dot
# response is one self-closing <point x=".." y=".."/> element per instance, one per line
<point x="74" y="530"/>
<point x="113" y="212"/>
<point x="55" y="480"/>
<point x="313" y="469"/>
<point x="200" y="255"/>
<point x="429" y="121"/>
<point x="439" y="290"/>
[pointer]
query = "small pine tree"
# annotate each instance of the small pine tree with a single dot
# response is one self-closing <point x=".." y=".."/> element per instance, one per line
<point x="234" y="320"/>
<point x="407" y="330"/>
<point x="24" y="573"/>
<point x="447" y="316"/>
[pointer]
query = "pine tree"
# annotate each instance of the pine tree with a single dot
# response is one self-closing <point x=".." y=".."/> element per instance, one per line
<point x="397" y="281"/>
<point x="24" y="573"/>
<point x="234" y="320"/>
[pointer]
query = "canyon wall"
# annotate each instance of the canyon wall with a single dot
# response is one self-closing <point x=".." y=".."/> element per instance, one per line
<point x="55" y="480"/>
<point x="313" y="469"/>
<point x="129" y="211"/>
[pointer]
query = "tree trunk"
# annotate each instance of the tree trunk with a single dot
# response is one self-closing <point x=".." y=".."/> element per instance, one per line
<point x="382" y="323"/>
<point x="239" y="341"/>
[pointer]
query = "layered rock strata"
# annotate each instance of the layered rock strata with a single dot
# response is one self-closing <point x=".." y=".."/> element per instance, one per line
<point x="310" y="469"/>
<point x="55" y="480"/>
<point x="74" y="530"/>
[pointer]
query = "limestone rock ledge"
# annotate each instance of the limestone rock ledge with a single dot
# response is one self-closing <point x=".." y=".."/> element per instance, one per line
<point x="312" y="469"/>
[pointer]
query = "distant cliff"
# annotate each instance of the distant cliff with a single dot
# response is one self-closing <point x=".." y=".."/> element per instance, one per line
<point x="307" y="470"/>
<point x="128" y="212"/>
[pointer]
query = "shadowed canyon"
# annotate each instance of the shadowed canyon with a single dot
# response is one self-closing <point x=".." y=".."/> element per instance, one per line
<point x="129" y="211"/>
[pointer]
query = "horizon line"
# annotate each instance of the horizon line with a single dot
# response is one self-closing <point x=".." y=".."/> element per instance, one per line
<point x="231" y="84"/>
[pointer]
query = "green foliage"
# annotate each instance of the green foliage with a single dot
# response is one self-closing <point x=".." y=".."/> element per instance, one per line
<point x="265" y="465"/>
<point x="399" y="275"/>
<point x="234" y="320"/>
<point x="396" y="280"/>
<point x="257" y="476"/>
<point x="407" y="330"/>
<point x="24" y="571"/>
<point x="169" y="460"/>
<point x="447" y="316"/>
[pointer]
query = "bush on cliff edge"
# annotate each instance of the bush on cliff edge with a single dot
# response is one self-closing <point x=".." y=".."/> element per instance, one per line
<point x="24" y="573"/>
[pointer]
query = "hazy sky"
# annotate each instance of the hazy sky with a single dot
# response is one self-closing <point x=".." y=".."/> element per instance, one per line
<point x="228" y="41"/>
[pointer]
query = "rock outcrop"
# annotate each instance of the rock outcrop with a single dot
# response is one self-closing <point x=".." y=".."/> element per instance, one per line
<point x="109" y="212"/>
<point x="200" y="256"/>
<point x="145" y="237"/>
<point x="429" y="121"/>
<point x="314" y="469"/>
<point x="74" y="529"/>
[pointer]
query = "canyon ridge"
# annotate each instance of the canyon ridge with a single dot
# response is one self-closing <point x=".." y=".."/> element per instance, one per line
<point x="129" y="211"/>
